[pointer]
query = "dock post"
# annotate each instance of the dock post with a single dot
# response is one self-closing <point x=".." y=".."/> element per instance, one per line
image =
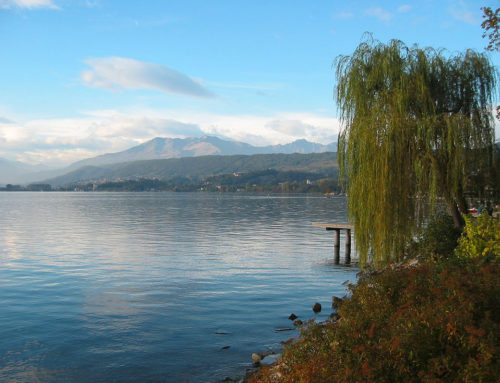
<point x="347" y="246"/>
<point x="336" y="246"/>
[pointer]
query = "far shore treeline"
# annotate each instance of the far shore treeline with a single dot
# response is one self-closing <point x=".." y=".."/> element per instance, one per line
<point x="276" y="173"/>
<point x="268" y="181"/>
<point x="266" y="173"/>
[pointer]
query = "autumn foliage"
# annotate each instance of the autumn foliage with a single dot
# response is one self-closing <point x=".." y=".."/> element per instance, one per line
<point x="431" y="322"/>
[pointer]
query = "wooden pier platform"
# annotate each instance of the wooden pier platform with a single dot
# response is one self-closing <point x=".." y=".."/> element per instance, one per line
<point x="336" y="240"/>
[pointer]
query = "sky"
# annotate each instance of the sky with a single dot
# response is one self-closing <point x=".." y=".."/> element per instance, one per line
<point x="81" y="78"/>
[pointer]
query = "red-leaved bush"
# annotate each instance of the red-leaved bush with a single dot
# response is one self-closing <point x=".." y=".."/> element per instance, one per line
<point x="434" y="322"/>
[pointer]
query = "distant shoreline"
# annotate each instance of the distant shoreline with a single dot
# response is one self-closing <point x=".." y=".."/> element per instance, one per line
<point x="265" y="181"/>
<point x="317" y="194"/>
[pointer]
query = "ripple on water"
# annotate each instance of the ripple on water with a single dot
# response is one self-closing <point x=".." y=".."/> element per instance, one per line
<point x="128" y="287"/>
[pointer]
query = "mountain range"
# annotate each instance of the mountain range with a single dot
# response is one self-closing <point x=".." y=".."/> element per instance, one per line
<point x="199" y="168"/>
<point x="155" y="149"/>
<point x="163" y="148"/>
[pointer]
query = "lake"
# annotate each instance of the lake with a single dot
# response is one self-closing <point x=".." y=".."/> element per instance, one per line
<point x="133" y="287"/>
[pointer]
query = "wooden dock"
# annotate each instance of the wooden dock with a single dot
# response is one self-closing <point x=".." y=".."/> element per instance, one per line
<point x="336" y="239"/>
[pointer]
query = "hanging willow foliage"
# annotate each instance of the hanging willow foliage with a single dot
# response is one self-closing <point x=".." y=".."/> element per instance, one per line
<point x="415" y="123"/>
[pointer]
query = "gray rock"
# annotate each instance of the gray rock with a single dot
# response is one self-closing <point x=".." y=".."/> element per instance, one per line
<point x="256" y="358"/>
<point x="317" y="307"/>
<point x="270" y="359"/>
<point x="292" y="316"/>
<point x="266" y="353"/>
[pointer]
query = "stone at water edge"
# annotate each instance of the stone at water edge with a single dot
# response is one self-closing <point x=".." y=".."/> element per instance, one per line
<point x="270" y="359"/>
<point x="266" y="353"/>
<point x="298" y="323"/>
<point x="317" y="307"/>
<point x="256" y="358"/>
<point x="292" y="316"/>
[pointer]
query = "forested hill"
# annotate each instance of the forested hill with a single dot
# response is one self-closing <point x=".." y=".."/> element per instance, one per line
<point x="161" y="148"/>
<point x="198" y="168"/>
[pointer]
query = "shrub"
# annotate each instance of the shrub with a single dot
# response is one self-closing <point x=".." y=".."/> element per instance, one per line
<point x="481" y="239"/>
<point x="439" y="238"/>
<point x="420" y="324"/>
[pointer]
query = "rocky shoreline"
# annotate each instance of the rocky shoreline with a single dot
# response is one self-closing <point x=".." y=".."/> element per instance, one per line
<point x="270" y="357"/>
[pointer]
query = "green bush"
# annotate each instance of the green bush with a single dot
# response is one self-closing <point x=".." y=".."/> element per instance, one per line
<point x="439" y="238"/>
<point x="480" y="239"/>
<point x="417" y="324"/>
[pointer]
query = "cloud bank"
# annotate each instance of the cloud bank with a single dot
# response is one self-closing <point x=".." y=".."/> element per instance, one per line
<point x="116" y="73"/>
<point x="63" y="141"/>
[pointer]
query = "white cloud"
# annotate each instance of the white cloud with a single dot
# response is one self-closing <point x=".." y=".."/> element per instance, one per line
<point x="115" y="73"/>
<point x="294" y="128"/>
<point x="29" y="4"/>
<point x="62" y="141"/>
<point x="404" y="8"/>
<point x="379" y="13"/>
<point x="280" y="128"/>
<point x="68" y="140"/>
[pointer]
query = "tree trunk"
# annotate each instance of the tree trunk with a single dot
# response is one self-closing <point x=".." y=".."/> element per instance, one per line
<point x="461" y="202"/>
<point x="458" y="220"/>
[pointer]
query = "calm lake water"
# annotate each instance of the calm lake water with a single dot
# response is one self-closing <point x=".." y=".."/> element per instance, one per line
<point x="132" y="287"/>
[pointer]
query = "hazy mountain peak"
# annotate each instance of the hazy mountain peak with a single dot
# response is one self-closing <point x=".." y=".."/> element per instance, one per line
<point x="164" y="147"/>
<point x="17" y="172"/>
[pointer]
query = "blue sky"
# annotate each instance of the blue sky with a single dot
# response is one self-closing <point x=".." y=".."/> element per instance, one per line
<point x="81" y="77"/>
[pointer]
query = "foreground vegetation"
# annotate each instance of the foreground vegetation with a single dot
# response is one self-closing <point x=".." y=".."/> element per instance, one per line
<point x="435" y="318"/>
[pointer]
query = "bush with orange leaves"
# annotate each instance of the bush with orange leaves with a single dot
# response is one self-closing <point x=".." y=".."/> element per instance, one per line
<point x="430" y="322"/>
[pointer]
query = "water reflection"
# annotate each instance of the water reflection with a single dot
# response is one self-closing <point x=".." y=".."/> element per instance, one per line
<point x="134" y="286"/>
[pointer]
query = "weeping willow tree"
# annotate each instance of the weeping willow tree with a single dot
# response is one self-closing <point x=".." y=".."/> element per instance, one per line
<point x="415" y="124"/>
